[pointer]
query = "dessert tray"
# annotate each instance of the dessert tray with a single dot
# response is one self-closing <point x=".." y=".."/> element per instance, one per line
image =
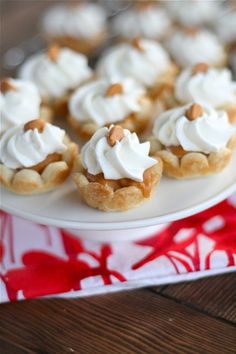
<point x="173" y="200"/>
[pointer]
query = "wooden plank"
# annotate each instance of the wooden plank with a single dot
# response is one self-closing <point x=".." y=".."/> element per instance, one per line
<point x="128" y="322"/>
<point x="215" y="296"/>
<point x="12" y="348"/>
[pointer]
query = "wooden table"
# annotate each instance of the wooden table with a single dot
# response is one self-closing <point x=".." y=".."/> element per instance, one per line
<point x="197" y="317"/>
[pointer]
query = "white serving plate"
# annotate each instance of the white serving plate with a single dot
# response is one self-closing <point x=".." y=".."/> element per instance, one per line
<point x="173" y="200"/>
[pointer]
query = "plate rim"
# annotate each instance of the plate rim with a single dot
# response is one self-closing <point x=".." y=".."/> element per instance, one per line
<point x="123" y="225"/>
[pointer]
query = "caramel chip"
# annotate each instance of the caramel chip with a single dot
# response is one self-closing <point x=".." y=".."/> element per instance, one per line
<point x="53" y="52"/>
<point x="114" y="89"/>
<point x="194" y="111"/>
<point x="115" y="134"/>
<point x="6" y="85"/>
<point x="136" y="44"/>
<point x="49" y="159"/>
<point x="35" y="124"/>
<point x="200" y="68"/>
<point x="143" y="5"/>
<point x="191" y="31"/>
<point x="177" y="151"/>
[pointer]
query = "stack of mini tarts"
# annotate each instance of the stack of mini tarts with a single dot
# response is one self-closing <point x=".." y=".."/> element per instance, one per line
<point x="181" y="164"/>
<point x="46" y="175"/>
<point x="116" y="195"/>
<point x="135" y="121"/>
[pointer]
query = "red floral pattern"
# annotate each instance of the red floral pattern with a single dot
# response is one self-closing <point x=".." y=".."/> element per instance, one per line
<point x="51" y="261"/>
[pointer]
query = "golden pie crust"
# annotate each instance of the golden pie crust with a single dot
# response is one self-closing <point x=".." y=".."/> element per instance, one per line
<point x="29" y="181"/>
<point x="46" y="113"/>
<point x="135" y="122"/>
<point x="164" y="82"/>
<point x="116" y="195"/>
<point x="192" y="164"/>
<point x="86" y="46"/>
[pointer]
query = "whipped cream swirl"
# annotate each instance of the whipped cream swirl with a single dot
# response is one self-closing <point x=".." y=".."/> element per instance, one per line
<point x="81" y="21"/>
<point x="193" y="12"/>
<point x="145" y="65"/>
<point x="209" y="133"/>
<point x="226" y="27"/>
<point x="54" y="78"/>
<point x="18" y="105"/>
<point x="128" y="158"/>
<point x="90" y="102"/>
<point x="151" y="22"/>
<point x="20" y="149"/>
<point x="215" y="87"/>
<point x="189" y="49"/>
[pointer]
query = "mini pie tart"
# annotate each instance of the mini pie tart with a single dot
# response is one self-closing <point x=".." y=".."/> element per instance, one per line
<point x="43" y="177"/>
<point x="135" y="122"/>
<point x="181" y="164"/>
<point x="55" y="92"/>
<point x="167" y="98"/>
<point x="116" y="195"/>
<point x="79" y="25"/>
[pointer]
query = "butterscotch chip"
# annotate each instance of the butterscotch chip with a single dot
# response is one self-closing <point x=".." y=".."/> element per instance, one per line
<point x="35" y="124"/>
<point x="49" y="159"/>
<point x="137" y="44"/>
<point x="191" y="31"/>
<point x="53" y="52"/>
<point x="194" y="111"/>
<point x="116" y="134"/>
<point x="200" y="68"/>
<point x="114" y="89"/>
<point x="143" y="5"/>
<point x="6" y="85"/>
<point x="177" y="151"/>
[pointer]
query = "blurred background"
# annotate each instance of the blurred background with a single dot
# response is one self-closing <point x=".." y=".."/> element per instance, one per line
<point x="20" y="27"/>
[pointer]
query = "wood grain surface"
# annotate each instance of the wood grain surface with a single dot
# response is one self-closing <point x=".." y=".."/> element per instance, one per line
<point x="196" y="317"/>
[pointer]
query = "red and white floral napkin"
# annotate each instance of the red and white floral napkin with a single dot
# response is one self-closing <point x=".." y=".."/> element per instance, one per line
<point x="38" y="260"/>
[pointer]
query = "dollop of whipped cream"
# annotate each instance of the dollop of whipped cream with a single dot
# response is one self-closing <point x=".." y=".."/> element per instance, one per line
<point x="208" y="133"/>
<point x="126" y="60"/>
<point x="226" y="27"/>
<point x="215" y="87"/>
<point x="22" y="149"/>
<point x="91" y="102"/>
<point x="19" y="104"/>
<point x="151" y="22"/>
<point x="54" y="77"/>
<point x="79" y="21"/>
<point x="189" y="49"/>
<point x="128" y="158"/>
<point x="194" y="12"/>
